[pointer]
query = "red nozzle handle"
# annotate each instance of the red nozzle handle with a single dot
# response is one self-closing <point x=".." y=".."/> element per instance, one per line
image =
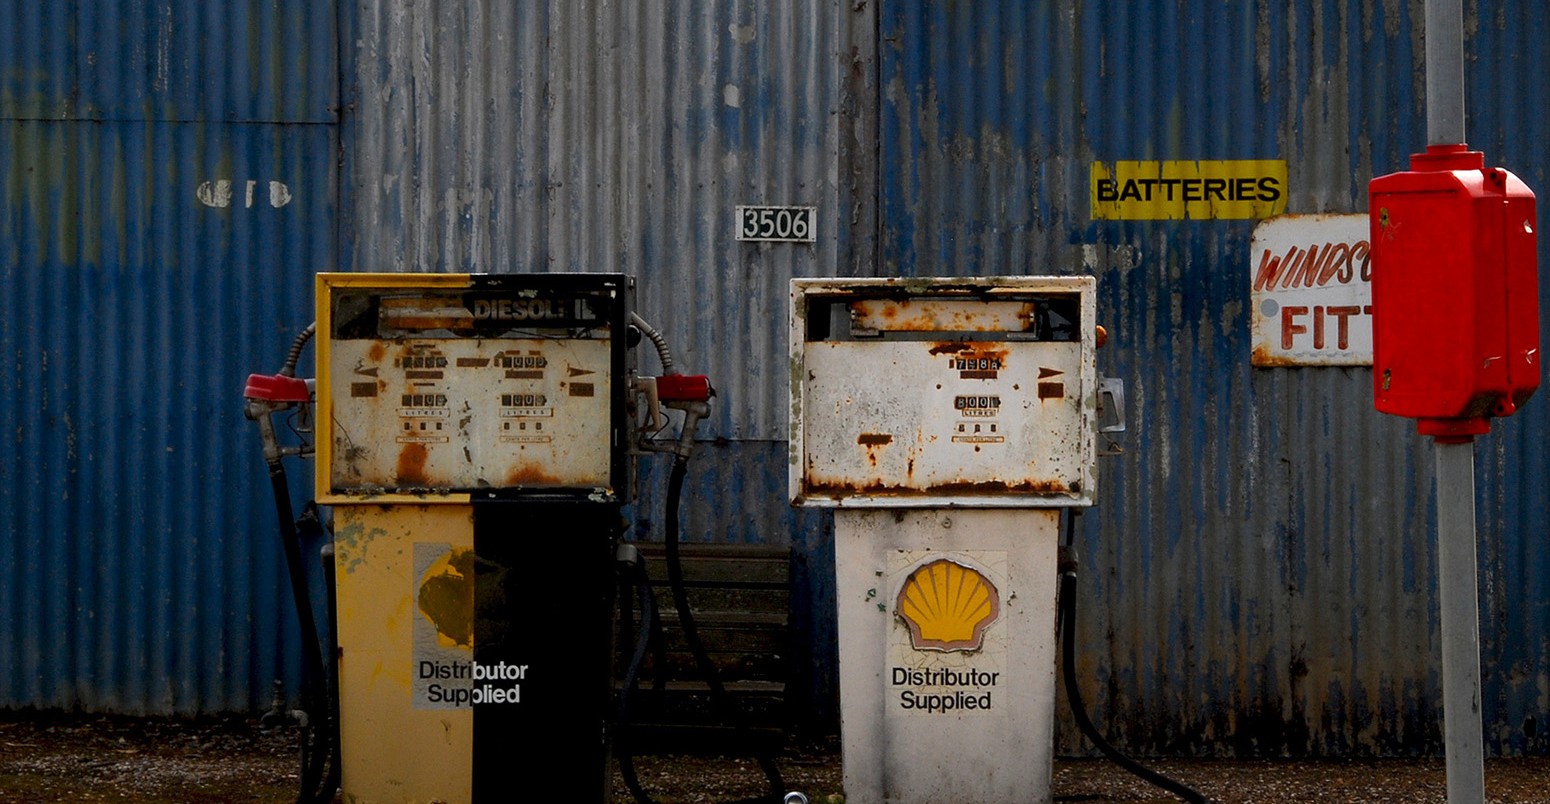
<point x="684" y="388"/>
<point x="276" y="388"/>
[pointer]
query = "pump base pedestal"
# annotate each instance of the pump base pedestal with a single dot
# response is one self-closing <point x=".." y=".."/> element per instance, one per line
<point x="947" y="653"/>
<point x="474" y="648"/>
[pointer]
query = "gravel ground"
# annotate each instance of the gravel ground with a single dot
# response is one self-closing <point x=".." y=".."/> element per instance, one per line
<point x="51" y="758"/>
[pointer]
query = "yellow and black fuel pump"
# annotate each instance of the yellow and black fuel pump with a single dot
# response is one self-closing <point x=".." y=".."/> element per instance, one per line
<point x="474" y="436"/>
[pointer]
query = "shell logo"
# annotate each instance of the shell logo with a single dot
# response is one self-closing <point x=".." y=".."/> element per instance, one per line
<point x="948" y="606"/>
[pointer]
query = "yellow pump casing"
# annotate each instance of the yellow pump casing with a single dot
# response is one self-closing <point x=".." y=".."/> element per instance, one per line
<point x="470" y="438"/>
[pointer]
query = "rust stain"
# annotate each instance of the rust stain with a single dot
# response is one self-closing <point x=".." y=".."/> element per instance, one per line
<point x="1000" y="354"/>
<point x="874" y="439"/>
<point x="1000" y="487"/>
<point x="987" y="487"/>
<point x="1027" y="315"/>
<point x="1263" y="357"/>
<point x="411" y="465"/>
<point x="377" y="351"/>
<point x="951" y="348"/>
<point x="530" y="476"/>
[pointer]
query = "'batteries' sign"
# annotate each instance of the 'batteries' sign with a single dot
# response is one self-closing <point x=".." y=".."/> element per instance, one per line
<point x="1311" y="290"/>
<point x="1193" y="190"/>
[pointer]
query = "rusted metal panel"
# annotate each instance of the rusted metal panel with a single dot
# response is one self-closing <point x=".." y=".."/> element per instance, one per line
<point x="434" y="383"/>
<point x="986" y="397"/>
<point x="939" y="315"/>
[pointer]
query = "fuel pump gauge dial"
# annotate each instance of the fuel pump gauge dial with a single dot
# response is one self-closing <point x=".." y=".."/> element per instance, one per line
<point x="505" y="386"/>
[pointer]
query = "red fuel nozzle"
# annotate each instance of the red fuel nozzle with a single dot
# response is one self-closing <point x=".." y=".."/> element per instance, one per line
<point x="276" y="388"/>
<point x="684" y="388"/>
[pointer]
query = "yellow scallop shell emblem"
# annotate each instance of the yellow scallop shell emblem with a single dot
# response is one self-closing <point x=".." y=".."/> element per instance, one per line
<point x="948" y="606"/>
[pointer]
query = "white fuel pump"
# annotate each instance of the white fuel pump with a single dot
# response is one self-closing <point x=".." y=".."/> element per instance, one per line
<point x="947" y="422"/>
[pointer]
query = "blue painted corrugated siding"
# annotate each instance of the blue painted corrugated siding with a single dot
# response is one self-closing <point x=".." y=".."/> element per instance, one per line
<point x="1259" y="576"/>
<point x="142" y="573"/>
<point x="228" y="61"/>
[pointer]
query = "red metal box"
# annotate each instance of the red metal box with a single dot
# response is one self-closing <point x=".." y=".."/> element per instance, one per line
<point x="1455" y="292"/>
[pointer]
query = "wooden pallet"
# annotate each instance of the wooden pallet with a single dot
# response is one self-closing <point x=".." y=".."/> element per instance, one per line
<point x="740" y="599"/>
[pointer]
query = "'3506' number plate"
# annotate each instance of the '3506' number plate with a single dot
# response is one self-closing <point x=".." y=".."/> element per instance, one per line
<point x="784" y="224"/>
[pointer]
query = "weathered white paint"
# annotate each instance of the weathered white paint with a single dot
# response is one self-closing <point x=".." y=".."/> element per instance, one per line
<point x="217" y="193"/>
<point x="940" y="395"/>
<point x="214" y="193"/>
<point x="899" y="754"/>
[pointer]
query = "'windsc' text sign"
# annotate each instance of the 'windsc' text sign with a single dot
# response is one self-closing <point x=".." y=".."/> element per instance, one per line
<point x="1311" y="291"/>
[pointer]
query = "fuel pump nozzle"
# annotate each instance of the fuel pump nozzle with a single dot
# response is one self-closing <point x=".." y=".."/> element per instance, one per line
<point x="264" y="395"/>
<point x="690" y="393"/>
<point x="268" y="394"/>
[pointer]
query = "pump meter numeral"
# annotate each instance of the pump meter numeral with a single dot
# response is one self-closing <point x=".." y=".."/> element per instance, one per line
<point x="523" y="400"/>
<point x="778" y="224"/>
<point x="988" y="405"/>
<point x="978" y="433"/>
<point x="523" y="362"/>
<point x="976" y="363"/>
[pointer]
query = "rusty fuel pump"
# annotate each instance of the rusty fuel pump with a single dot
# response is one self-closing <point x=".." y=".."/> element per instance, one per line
<point x="952" y="424"/>
<point x="475" y="439"/>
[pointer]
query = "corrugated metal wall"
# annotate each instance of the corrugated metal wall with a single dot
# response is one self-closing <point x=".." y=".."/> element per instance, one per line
<point x="559" y="136"/>
<point x="166" y="192"/>
<point x="1259" y="576"/>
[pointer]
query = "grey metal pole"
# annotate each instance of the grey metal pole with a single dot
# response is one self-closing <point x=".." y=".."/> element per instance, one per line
<point x="1456" y="590"/>
<point x="1456" y="578"/>
<point x="1444" y="72"/>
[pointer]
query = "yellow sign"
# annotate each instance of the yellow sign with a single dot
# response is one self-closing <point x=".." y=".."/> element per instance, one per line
<point x="1178" y="190"/>
<point x="948" y="606"/>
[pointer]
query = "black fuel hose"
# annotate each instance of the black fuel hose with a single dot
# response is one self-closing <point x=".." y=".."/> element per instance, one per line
<point x="1074" y="693"/>
<point x="314" y="752"/>
<point x="331" y="667"/>
<point x="718" y="692"/>
<point x="648" y="619"/>
<point x="288" y="368"/>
